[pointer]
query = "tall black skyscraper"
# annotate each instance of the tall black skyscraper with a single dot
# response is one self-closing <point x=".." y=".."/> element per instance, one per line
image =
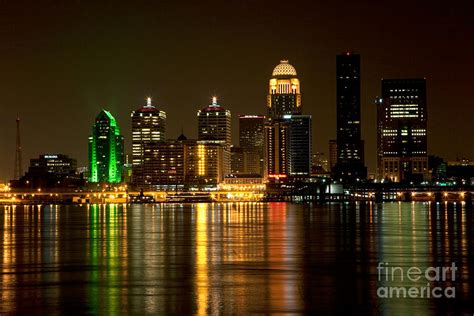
<point x="350" y="147"/>
<point x="300" y="144"/>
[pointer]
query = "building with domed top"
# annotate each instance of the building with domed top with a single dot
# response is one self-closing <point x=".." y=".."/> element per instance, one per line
<point x="284" y="96"/>
<point x="288" y="133"/>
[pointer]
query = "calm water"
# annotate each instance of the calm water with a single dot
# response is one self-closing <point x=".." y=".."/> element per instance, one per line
<point x="229" y="258"/>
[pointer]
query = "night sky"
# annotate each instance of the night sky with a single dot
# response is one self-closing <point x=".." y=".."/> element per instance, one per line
<point x="60" y="64"/>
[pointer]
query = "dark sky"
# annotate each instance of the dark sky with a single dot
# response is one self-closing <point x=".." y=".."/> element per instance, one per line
<point x="61" y="62"/>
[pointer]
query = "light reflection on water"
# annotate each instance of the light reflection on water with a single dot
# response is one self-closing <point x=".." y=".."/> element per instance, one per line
<point x="228" y="258"/>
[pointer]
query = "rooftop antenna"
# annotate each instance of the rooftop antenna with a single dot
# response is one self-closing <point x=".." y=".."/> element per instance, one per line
<point x="18" y="170"/>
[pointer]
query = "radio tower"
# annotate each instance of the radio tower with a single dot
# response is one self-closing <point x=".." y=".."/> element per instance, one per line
<point x="18" y="170"/>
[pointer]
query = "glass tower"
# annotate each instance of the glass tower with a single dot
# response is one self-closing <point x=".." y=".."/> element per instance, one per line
<point x="105" y="150"/>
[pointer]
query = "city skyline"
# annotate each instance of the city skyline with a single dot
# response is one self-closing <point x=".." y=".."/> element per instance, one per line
<point x="67" y="91"/>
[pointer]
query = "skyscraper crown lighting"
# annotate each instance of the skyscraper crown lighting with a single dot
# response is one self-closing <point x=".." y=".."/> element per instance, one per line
<point x="284" y="68"/>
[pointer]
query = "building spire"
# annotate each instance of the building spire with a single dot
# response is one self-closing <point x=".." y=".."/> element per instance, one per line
<point x="214" y="101"/>
<point x="148" y="101"/>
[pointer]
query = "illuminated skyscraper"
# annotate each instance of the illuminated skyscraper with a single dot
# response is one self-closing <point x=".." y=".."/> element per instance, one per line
<point x="283" y="91"/>
<point x="401" y="130"/>
<point x="277" y="147"/>
<point x="214" y="127"/>
<point x="251" y="141"/>
<point x="105" y="150"/>
<point x="350" y="147"/>
<point x="288" y="133"/>
<point x="148" y="129"/>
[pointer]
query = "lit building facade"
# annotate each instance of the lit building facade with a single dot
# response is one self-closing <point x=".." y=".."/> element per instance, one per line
<point x="288" y="133"/>
<point x="204" y="163"/>
<point x="106" y="155"/>
<point x="402" y="131"/>
<point x="163" y="165"/>
<point x="148" y="129"/>
<point x="182" y="163"/>
<point x="277" y="135"/>
<point x="252" y="142"/>
<point x="284" y="97"/>
<point x="214" y="127"/>
<point x="350" y="147"/>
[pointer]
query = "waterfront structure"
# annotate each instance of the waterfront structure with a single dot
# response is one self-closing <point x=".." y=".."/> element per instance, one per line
<point x="244" y="182"/>
<point x="252" y="142"/>
<point x="284" y="97"/>
<point x="350" y="147"/>
<point x="288" y="133"/>
<point x="214" y="127"/>
<point x="50" y="171"/>
<point x="106" y="155"/>
<point x="148" y="130"/>
<point x="402" y="131"/>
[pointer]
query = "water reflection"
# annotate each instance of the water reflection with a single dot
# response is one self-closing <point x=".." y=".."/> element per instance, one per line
<point x="228" y="258"/>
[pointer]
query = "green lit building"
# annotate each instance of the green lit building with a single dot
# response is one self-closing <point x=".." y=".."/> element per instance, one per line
<point x="106" y="156"/>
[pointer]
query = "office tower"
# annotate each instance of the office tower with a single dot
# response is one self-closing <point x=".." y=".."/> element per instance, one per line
<point x="350" y="147"/>
<point x="300" y="155"/>
<point x="214" y="127"/>
<point x="277" y="147"/>
<point x="283" y="91"/>
<point x="51" y="171"/>
<point x="163" y="165"/>
<point x="252" y="142"/>
<point x="401" y="130"/>
<point x="204" y="163"/>
<point x="105" y="150"/>
<point x="287" y="132"/>
<point x="174" y="164"/>
<point x="332" y="153"/>
<point x="237" y="160"/>
<point x="148" y="129"/>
